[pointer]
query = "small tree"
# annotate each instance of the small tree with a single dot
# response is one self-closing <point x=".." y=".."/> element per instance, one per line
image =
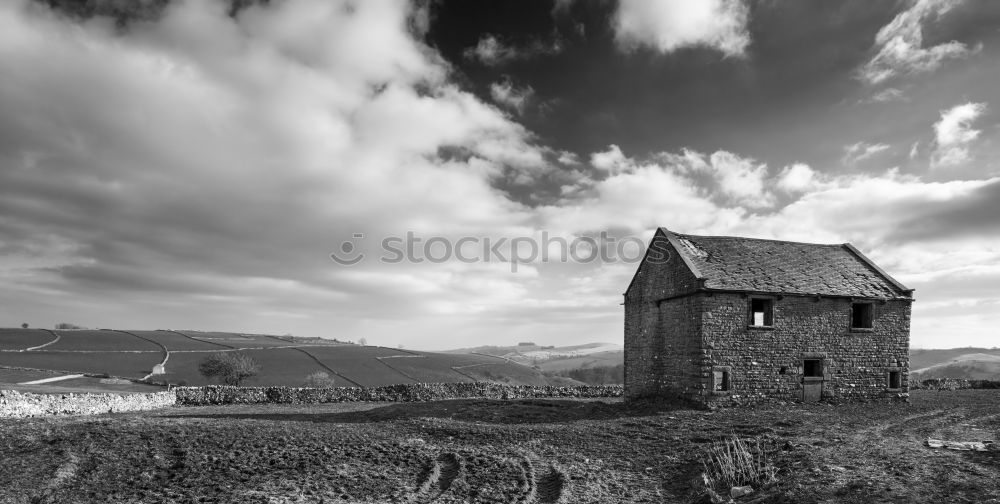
<point x="363" y="342"/>
<point x="24" y="325"/>
<point x="318" y="379"/>
<point x="231" y="368"/>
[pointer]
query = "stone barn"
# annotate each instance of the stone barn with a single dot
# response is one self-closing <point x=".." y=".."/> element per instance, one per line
<point x="719" y="321"/>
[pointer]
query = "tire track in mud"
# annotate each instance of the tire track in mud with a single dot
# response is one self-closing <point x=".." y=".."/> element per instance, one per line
<point x="65" y="472"/>
<point x="529" y="488"/>
<point x="541" y="487"/>
<point x="883" y="428"/>
<point x="437" y="478"/>
<point x="928" y="471"/>
<point x="550" y="486"/>
<point x="167" y="460"/>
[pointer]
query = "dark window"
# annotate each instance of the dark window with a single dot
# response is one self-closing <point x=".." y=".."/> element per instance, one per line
<point x="761" y="312"/>
<point x="812" y="367"/>
<point x="895" y="380"/>
<point x="720" y="380"/>
<point x="783" y="370"/>
<point x="861" y="316"/>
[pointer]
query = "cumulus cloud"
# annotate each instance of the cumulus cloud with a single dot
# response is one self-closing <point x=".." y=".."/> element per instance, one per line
<point x="490" y="50"/>
<point x="507" y="94"/>
<point x="953" y="134"/>
<point x="731" y="179"/>
<point x="899" y="46"/>
<point x="568" y="158"/>
<point x="861" y="151"/>
<point x="611" y="160"/>
<point x="197" y="169"/>
<point x="198" y="152"/>
<point x="741" y="179"/>
<point x="797" y="178"/>
<point x="668" y="25"/>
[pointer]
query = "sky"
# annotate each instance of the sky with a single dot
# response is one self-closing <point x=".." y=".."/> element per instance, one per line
<point x="415" y="173"/>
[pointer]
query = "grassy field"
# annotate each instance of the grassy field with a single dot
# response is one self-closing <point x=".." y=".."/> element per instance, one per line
<point x="100" y="341"/>
<point x="177" y="341"/>
<point x="980" y="363"/>
<point x="534" y="451"/>
<point x="125" y="365"/>
<point x="235" y="340"/>
<point x="279" y="366"/>
<point x="20" y="339"/>
<point x="132" y="354"/>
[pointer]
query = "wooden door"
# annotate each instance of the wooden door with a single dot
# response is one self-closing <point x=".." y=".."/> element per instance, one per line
<point x="812" y="380"/>
<point x="812" y="389"/>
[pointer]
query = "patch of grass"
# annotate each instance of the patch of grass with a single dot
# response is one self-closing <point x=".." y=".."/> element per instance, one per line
<point x="736" y="462"/>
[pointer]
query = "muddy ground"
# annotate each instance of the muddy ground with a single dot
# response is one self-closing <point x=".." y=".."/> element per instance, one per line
<point x="503" y="452"/>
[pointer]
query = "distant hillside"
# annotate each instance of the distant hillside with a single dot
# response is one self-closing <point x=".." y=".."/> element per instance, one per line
<point x="58" y="357"/>
<point x="594" y="363"/>
<point x="968" y="363"/>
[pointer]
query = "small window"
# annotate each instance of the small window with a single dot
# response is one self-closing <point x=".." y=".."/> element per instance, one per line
<point x="812" y="368"/>
<point x="895" y="380"/>
<point x="861" y="316"/>
<point x="761" y="312"/>
<point x="720" y="379"/>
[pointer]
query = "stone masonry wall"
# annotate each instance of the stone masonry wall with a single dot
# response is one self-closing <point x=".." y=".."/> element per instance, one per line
<point x="410" y="392"/>
<point x="856" y="363"/>
<point x="15" y="404"/>
<point x="679" y="330"/>
<point x="656" y="353"/>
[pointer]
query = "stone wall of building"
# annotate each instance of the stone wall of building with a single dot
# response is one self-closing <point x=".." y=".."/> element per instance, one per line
<point x="767" y="363"/>
<point x="679" y="331"/>
<point x="661" y="324"/>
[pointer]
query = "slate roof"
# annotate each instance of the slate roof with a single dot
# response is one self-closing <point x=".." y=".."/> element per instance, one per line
<point x="749" y="264"/>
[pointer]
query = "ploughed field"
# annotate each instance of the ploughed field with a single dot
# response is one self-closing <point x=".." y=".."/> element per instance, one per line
<point x="531" y="451"/>
<point x="284" y="362"/>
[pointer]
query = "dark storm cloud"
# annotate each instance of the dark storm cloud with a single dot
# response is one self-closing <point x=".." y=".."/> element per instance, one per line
<point x="801" y="53"/>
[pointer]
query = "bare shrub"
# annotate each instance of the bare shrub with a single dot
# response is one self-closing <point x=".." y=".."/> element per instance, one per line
<point x="318" y="379"/>
<point x="737" y="462"/>
<point x="230" y="368"/>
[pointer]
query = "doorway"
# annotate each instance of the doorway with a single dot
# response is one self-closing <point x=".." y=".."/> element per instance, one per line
<point x="812" y="380"/>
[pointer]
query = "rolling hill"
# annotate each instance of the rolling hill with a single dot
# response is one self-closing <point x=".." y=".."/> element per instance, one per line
<point x="40" y="358"/>
<point x="556" y="359"/>
<point x="967" y="363"/>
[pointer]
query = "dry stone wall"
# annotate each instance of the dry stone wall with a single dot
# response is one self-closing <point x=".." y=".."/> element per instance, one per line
<point x="15" y="404"/>
<point x="193" y="396"/>
<point x="954" y="384"/>
<point x="21" y="405"/>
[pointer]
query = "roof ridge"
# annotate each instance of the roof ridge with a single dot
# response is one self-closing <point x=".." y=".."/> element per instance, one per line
<point x="683" y="235"/>
<point x="741" y="263"/>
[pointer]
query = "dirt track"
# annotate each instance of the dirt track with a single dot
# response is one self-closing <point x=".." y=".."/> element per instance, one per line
<point x="504" y="452"/>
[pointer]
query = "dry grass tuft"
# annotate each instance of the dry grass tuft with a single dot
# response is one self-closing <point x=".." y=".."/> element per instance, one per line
<point x="737" y="462"/>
